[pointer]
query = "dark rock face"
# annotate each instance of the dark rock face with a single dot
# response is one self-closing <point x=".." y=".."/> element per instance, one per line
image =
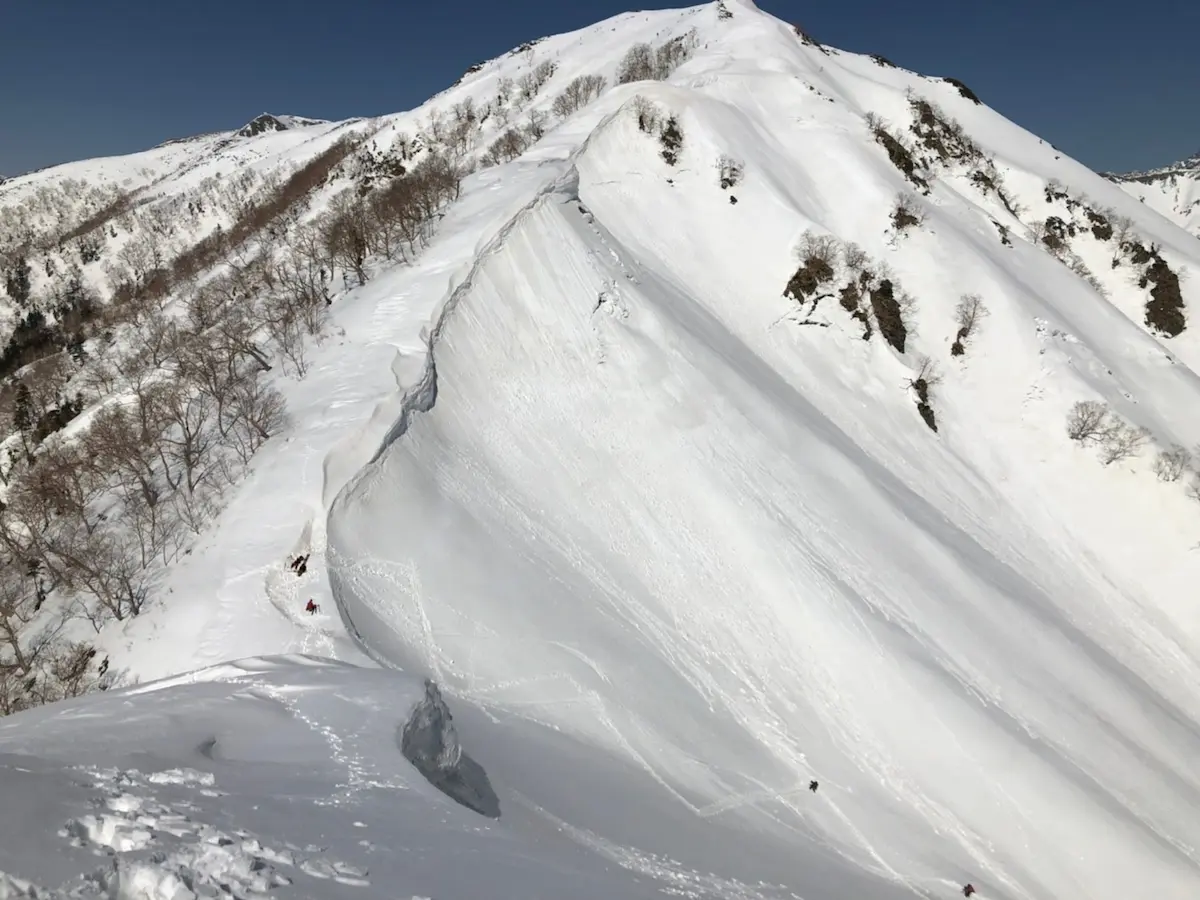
<point x="261" y="125"/>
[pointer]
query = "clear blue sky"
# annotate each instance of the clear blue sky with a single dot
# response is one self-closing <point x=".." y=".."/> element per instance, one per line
<point x="1112" y="83"/>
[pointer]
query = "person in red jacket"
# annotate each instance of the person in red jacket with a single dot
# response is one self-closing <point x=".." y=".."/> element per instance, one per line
<point x="312" y="607"/>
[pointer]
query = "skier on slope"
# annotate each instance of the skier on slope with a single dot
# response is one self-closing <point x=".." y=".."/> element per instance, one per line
<point x="812" y="785"/>
<point x="968" y="890"/>
<point x="311" y="607"/>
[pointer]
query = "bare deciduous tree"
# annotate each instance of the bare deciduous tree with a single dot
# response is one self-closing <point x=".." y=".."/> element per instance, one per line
<point x="535" y="126"/>
<point x="187" y="444"/>
<point x="855" y="259"/>
<point x="109" y="565"/>
<point x="578" y="93"/>
<point x="346" y="231"/>
<point x="729" y="171"/>
<point x="1193" y="488"/>
<point x="968" y="315"/>
<point x="815" y="247"/>
<point x="507" y="147"/>
<point x="123" y="440"/>
<point x="99" y="379"/>
<point x="300" y="276"/>
<point x="906" y="212"/>
<point x="464" y="111"/>
<point x="1170" y="464"/>
<point x="69" y="482"/>
<point x="504" y="90"/>
<point x="214" y="368"/>
<point x="1122" y="441"/>
<point x="237" y="331"/>
<point x="646" y="113"/>
<point x="259" y="413"/>
<point x="20" y="604"/>
<point x="157" y="340"/>
<point x="636" y="65"/>
<point x="141" y="254"/>
<point x="668" y="57"/>
<point x="286" y="330"/>
<point x="1123" y="231"/>
<point x="1089" y="420"/>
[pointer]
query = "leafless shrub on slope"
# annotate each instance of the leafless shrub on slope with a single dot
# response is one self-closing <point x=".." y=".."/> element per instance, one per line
<point x="818" y="257"/>
<point x="906" y="212"/>
<point x="926" y="378"/>
<point x="671" y="54"/>
<point x="647" y="114"/>
<point x="1089" y="421"/>
<point x="729" y="172"/>
<point x="641" y="62"/>
<point x="532" y="82"/>
<point x="968" y="315"/>
<point x="507" y="147"/>
<point x="636" y="65"/>
<point x="578" y="93"/>
<point x="1172" y="463"/>
<point x="1122" y="441"/>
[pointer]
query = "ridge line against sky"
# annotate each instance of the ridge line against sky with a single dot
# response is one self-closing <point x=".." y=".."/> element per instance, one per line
<point x="103" y="79"/>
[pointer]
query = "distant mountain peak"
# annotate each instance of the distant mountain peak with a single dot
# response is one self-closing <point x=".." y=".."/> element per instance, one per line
<point x="261" y="124"/>
<point x="266" y="122"/>
<point x="1190" y="165"/>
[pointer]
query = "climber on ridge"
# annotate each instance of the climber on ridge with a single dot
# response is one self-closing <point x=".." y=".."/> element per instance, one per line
<point x="968" y="890"/>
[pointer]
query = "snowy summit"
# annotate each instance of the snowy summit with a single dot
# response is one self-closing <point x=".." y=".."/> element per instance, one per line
<point x="678" y="459"/>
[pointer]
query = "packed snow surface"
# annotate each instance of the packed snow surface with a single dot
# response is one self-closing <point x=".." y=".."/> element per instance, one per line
<point x="670" y="554"/>
<point x="281" y="776"/>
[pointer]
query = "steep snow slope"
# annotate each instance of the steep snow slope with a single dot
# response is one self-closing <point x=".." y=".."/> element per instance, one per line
<point x="1172" y="190"/>
<point x="233" y="595"/>
<point x="240" y="598"/>
<point x="627" y="501"/>
<point x="674" y="554"/>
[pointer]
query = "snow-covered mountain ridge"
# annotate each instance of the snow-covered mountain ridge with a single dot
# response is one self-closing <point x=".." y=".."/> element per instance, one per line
<point x="715" y="443"/>
<point x="1184" y="166"/>
<point x="1173" y="190"/>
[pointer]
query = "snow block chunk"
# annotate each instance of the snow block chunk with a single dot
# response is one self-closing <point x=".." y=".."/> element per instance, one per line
<point x="430" y="742"/>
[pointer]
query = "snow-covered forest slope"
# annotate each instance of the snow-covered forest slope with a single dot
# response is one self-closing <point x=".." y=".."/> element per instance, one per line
<point x="706" y="411"/>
